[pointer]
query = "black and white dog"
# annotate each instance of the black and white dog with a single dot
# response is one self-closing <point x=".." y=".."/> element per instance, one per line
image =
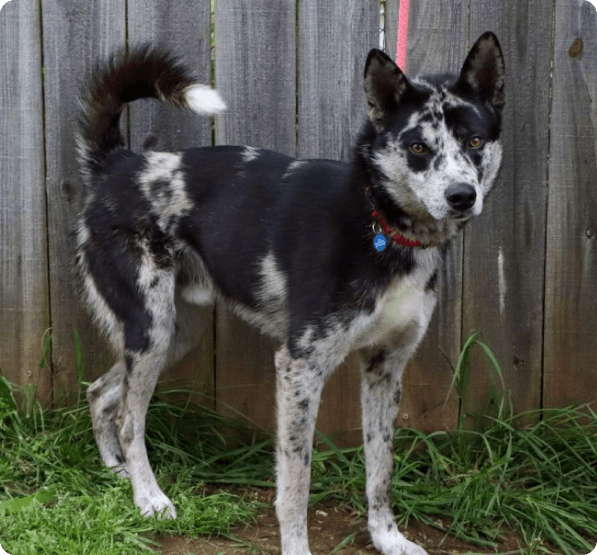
<point x="326" y="257"/>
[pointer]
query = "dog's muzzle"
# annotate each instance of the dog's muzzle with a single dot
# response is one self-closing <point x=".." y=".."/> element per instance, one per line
<point x="461" y="197"/>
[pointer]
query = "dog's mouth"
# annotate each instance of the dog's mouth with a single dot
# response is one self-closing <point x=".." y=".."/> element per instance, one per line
<point x="462" y="216"/>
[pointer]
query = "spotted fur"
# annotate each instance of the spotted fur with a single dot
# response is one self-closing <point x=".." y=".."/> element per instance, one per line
<point x="288" y="246"/>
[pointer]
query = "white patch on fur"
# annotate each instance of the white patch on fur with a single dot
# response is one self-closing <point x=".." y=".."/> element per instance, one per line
<point x="249" y="154"/>
<point x="197" y="286"/>
<point x="204" y="100"/>
<point x="162" y="183"/>
<point x="272" y="315"/>
<point x="404" y="307"/>
<point x="492" y="159"/>
<point x="292" y="167"/>
<point x="200" y="295"/>
<point x="273" y="281"/>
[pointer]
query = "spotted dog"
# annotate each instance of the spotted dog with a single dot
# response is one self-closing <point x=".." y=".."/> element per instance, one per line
<point x="326" y="257"/>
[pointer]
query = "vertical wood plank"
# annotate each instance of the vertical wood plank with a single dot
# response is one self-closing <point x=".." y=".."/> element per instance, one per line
<point x="256" y="75"/>
<point x="181" y="27"/>
<point x="505" y="246"/>
<point x="24" y="302"/>
<point x="334" y="39"/>
<point x="153" y="21"/>
<point x="571" y="277"/>
<point x="75" y="36"/>
<point x="391" y="27"/>
<point x="437" y="43"/>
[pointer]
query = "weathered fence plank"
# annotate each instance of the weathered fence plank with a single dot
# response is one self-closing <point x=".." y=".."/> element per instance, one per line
<point x="256" y="74"/>
<point x="332" y="105"/>
<point x="24" y="302"/>
<point x="75" y="36"/>
<point x="437" y="42"/>
<point x="331" y="112"/>
<point x="504" y="248"/>
<point x="571" y="276"/>
<point x="152" y="21"/>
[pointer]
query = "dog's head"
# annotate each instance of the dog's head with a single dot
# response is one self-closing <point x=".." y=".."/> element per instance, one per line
<point x="436" y="144"/>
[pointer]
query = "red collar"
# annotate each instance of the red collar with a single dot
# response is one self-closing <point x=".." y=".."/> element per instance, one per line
<point x="396" y="237"/>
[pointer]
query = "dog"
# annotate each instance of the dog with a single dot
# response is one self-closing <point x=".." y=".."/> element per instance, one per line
<point x="325" y="257"/>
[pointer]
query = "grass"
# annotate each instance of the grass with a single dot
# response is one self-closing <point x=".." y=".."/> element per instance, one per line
<point x="539" y="481"/>
<point x="56" y="498"/>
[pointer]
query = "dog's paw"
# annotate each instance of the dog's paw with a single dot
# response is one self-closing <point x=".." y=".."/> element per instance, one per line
<point x="388" y="541"/>
<point x="400" y="546"/>
<point x="407" y="547"/>
<point x="158" y="505"/>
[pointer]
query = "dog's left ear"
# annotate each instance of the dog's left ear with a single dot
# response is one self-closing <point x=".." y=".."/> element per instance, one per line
<point x="385" y="84"/>
<point x="484" y="69"/>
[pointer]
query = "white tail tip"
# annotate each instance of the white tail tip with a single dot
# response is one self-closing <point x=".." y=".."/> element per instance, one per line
<point x="204" y="100"/>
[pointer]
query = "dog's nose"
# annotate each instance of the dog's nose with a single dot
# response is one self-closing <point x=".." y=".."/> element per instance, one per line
<point x="461" y="196"/>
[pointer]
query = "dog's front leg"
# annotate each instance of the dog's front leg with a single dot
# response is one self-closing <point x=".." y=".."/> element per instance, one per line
<point x="380" y="399"/>
<point x="298" y="392"/>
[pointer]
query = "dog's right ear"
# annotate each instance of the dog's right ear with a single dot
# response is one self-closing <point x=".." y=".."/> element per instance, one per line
<point x="385" y="84"/>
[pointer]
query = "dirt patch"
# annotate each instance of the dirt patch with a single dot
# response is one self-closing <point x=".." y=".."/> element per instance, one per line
<point x="329" y="526"/>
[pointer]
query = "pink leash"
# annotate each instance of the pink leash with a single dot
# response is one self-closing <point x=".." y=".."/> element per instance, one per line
<point x="402" y="38"/>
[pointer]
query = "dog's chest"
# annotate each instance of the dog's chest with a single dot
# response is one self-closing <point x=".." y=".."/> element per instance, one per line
<point x="402" y="313"/>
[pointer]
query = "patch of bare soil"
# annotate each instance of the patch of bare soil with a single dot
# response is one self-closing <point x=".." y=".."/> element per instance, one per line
<point x="329" y="526"/>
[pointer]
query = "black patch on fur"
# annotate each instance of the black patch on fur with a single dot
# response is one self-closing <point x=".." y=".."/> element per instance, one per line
<point x="376" y="360"/>
<point x="161" y="188"/>
<point x="128" y="363"/>
<point x="431" y="282"/>
<point x="466" y="122"/>
<point x="438" y="161"/>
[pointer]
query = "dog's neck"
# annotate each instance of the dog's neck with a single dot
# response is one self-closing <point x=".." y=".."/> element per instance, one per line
<point x="380" y="221"/>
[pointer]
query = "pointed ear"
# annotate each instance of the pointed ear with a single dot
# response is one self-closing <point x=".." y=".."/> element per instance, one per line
<point x="385" y="84"/>
<point x="483" y="70"/>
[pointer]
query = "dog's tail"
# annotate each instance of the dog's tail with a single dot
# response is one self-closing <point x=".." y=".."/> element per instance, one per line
<point x="144" y="72"/>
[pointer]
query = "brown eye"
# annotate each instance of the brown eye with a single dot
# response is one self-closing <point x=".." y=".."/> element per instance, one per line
<point x="475" y="142"/>
<point x="417" y="148"/>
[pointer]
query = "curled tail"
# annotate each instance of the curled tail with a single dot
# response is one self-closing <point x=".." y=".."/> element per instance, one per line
<point x="144" y="72"/>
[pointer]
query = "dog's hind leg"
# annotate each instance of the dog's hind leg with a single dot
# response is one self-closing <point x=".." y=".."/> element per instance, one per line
<point x="104" y="396"/>
<point x="141" y="377"/>
<point x="380" y="400"/>
<point x="298" y="392"/>
<point x="148" y="333"/>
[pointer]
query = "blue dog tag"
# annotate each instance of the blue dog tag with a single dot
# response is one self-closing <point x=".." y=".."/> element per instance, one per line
<point x="379" y="242"/>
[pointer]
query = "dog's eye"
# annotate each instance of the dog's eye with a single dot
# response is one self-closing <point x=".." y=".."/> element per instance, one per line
<point x="476" y="142"/>
<point x="417" y="148"/>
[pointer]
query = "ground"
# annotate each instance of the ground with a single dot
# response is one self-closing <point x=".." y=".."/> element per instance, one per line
<point x="329" y="526"/>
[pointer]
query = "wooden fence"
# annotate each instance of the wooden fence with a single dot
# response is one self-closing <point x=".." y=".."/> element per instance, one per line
<point x="524" y="273"/>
